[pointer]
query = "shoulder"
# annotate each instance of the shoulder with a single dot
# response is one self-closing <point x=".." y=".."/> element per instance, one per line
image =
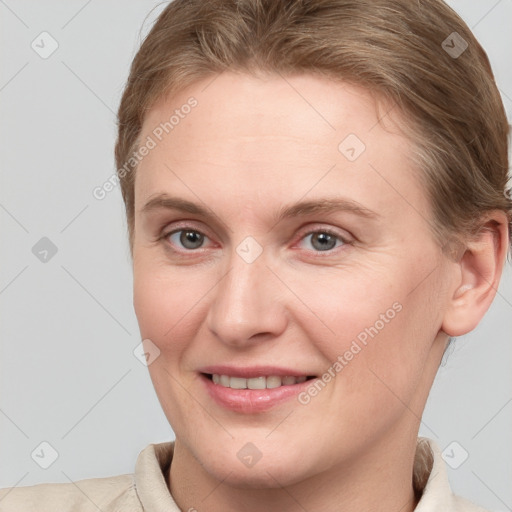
<point x="430" y="478"/>
<point x="463" y="505"/>
<point x="106" y="494"/>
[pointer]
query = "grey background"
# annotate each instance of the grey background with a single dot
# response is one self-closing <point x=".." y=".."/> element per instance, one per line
<point x="68" y="373"/>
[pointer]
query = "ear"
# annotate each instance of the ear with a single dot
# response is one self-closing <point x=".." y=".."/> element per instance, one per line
<point x="479" y="272"/>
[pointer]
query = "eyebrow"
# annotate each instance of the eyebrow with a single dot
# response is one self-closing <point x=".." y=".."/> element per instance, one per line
<point x="323" y="205"/>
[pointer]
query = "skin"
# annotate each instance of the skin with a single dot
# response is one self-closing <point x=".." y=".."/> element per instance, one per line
<point x="250" y="146"/>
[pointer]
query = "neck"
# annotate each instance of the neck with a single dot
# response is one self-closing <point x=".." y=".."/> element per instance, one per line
<point x="380" y="479"/>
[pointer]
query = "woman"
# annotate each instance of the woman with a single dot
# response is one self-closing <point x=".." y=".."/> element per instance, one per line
<point x="316" y="202"/>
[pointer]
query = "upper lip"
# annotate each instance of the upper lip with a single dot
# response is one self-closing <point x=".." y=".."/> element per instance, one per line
<point x="249" y="372"/>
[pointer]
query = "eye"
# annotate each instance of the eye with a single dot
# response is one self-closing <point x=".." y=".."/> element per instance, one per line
<point x="323" y="240"/>
<point x="188" y="238"/>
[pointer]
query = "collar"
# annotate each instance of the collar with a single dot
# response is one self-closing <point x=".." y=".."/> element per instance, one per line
<point x="430" y="479"/>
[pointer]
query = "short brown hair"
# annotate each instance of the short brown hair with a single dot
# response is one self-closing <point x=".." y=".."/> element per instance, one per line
<point x="410" y="52"/>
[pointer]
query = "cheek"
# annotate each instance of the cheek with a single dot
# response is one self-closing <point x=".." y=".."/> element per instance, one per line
<point x="378" y="340"/>
<point x="159" y="301"/>
<point x="151" y="300"/>
<point x="354" y="305"/>
<point x="154" y="290"/>
<point x="169" y="304"/>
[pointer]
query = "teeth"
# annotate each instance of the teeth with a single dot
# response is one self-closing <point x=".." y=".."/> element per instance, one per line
<point x="270" y="382"/>
<point x="274" y="382"/>
<point x="257" y="383"/>
<point x="237" y="383"/>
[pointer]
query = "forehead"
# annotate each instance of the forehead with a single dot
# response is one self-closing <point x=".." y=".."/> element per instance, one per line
<point x="270" y="137"/>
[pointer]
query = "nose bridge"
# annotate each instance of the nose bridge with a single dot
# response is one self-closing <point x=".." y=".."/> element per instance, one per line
<point x="245" y="302"/>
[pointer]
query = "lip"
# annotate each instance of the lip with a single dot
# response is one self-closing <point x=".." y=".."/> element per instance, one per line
<point x="251" y="401"/>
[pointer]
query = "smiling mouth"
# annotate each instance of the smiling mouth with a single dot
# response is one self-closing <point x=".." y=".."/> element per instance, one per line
<point x="262" y="382"/>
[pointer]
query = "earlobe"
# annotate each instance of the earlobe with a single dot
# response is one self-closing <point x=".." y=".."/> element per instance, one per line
<point x="478" y="274"/>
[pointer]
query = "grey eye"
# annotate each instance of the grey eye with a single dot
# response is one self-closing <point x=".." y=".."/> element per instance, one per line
<point x="187" y="238"/>
<point x="323" y="241"/>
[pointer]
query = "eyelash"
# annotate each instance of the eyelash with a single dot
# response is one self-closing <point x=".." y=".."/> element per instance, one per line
<point x="327" y="231"/>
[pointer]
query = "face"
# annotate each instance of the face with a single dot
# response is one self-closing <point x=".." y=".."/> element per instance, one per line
<point x="282" y="241"/>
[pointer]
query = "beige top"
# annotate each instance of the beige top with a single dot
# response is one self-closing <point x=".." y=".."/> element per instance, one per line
<point x="146" y="490"/>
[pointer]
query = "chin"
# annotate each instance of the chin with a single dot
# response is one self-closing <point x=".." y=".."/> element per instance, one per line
<point x="267" y="475"/>
<point x="268" y="469"/>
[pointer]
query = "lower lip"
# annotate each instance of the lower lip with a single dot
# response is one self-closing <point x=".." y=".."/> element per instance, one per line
<point x="252" y="400"/>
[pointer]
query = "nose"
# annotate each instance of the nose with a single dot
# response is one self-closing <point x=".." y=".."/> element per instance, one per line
<point x="247" y="305"/>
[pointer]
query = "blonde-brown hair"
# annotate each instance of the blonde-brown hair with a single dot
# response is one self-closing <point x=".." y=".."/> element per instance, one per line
<point x="412" y="53"/>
